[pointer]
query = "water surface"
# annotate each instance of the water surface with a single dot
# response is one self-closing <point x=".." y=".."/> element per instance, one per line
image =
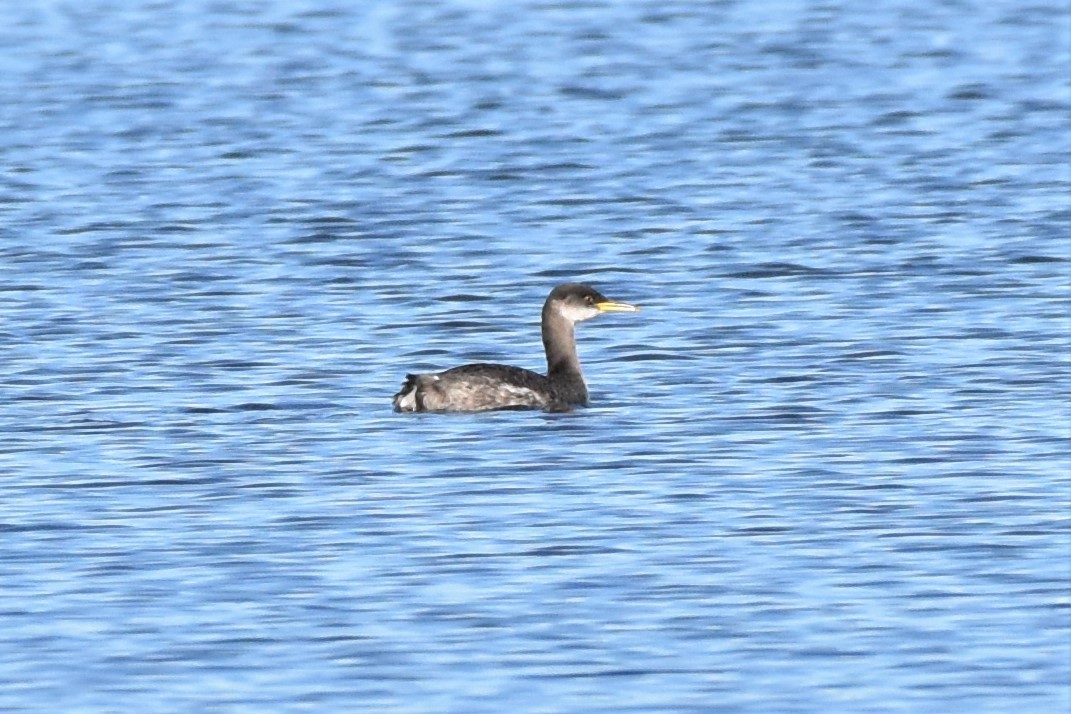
<point x="826" y="468"/>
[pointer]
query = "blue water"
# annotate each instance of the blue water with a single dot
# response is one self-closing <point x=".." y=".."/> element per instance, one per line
<point x="826" y="469"/>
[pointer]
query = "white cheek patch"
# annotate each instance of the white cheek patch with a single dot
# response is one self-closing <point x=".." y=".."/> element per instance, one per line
<point x="577" y="313"/>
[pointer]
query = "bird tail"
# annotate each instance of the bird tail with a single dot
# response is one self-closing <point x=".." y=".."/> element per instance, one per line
<point x="406" y="399"/>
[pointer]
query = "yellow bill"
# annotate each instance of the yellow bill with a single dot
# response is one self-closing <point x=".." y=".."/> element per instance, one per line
<point x="613" y="306"/>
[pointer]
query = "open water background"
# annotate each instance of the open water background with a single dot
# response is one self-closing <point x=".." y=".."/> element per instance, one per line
<point x="825" y="470"/>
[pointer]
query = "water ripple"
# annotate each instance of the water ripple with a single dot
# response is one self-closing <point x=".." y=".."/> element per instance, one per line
<point x="822" y="470"/>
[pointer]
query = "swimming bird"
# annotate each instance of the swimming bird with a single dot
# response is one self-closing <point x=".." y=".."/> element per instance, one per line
<point x="482" y="387"/>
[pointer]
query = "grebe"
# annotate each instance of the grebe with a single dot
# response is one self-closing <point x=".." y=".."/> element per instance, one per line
<point x="481" y="387"/>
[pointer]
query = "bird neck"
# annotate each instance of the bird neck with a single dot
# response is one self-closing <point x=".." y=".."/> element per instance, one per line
<point x="559" y="341"/>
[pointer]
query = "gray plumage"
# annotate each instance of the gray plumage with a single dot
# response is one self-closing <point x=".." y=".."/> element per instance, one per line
<point x="482" y="387"/>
